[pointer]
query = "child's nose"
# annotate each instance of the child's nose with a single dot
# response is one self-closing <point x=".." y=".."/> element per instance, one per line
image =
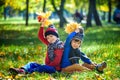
<point x="76" y="44"/>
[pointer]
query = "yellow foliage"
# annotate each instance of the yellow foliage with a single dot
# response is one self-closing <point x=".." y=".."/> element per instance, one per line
<point x="62" y="78"/>
<point x="1" y="75"/>
<point x="75" y="77"/>
<point x="71" y="27"/>
<point x="104" y="8"/>
<point x="95" y="53"/>
<point x="50" y="78"/>
<point x="105" y="55"/>
<point x="39" y="47"/>
<point x="8" y="77"/>
<point x="2" y="53"/>
<point x="45" y="16"/>
<point x="10" y="63"/>
<point x="98" y="77"/>
<point x="19" y="58"/>
<point x="47" y="22"/>
<point x="108" y="73"/>
<point x="36" y="1"/>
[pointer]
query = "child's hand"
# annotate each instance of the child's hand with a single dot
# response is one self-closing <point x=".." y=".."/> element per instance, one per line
<point x="77" y="30"/>
<point x="43" y="22"/>
<point x="39" y="18"/>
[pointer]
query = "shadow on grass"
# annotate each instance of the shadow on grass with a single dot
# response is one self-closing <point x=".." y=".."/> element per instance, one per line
<point x="19" y="37"/>
<point x="20" y="42"/>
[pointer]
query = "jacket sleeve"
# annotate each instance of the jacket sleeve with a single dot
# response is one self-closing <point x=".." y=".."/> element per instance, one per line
<point x="84" y="58"/>
<point x="41" y="36"/>
<point x="58" y="57"/>
<point x="47" y="61"/>
<point x="70" y="36"/>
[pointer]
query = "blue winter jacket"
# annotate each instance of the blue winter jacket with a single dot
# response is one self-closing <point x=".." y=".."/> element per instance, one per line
<point x="65" y="58"/>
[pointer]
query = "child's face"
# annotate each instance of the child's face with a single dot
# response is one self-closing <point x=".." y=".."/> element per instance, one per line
<point x="51" y="38"/>
<point x="75" y="44"/>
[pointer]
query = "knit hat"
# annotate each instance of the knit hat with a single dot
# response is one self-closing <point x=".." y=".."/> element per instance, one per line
<point x="51" y="30"/>
<point x="79" y="35"/>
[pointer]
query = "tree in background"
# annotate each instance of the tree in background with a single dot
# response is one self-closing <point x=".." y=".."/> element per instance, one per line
<point x="2" y="8"/>
<point x="18" y="7"/>
<point x="60" y="12"/>
<point x="27" y="11"/>
<point x="44" y="6"/>
<point x="92" y="13"/>
<point x="110" y="9"/>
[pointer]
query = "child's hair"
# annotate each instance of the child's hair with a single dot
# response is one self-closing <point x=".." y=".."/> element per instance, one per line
<point x="76" y="40"/>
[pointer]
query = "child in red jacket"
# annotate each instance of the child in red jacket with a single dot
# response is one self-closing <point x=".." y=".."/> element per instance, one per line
<point x="53" y="56"/>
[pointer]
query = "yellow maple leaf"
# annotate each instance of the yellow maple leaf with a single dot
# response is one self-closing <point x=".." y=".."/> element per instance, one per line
<point x="2" y="53"/>
<point x="98" y="77"/>
<point x="71" y="27"/>
<point x="47" y="22"/>
<point x="75" y="77"/>
<point x="45" y="16"/>
<point x="19" y="58"/>
<point x="108" y="73"/>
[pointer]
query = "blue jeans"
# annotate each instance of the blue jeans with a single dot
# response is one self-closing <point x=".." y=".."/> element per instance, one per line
<point x="35" y="67"/>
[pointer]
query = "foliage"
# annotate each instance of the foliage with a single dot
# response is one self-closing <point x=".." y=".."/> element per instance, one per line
<point x="71" y="27"/>
<point x="44" y="16"/>
<point x="104" y="8"/>
<point x="103" y="4"/>
<point x="16" y="4"/>
<point x="36" y="5"/>
<point x="20" y="45"/>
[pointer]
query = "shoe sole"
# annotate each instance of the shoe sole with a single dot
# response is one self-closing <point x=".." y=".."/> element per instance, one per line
<point x="13" y="71"/>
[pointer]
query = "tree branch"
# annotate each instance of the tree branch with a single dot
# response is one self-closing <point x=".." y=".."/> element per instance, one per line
<point x="53" y="3"/>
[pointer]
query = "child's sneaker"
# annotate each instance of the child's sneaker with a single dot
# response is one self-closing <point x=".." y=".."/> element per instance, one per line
<point x="16" y="71"/>
<point x="101" y="66"/>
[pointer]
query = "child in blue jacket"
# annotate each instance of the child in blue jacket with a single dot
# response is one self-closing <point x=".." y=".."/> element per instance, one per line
<point x="72" y="54"/>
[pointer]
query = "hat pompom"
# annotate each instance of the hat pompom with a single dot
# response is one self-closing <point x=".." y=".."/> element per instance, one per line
<point x="51" y="26"/>
<point x="71" y="27"/>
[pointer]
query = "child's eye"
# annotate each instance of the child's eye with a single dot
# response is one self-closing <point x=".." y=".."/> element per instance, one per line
<point x="51" y="36"/>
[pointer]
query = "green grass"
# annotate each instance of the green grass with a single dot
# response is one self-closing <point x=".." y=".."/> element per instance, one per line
<point x="19" y="45"/>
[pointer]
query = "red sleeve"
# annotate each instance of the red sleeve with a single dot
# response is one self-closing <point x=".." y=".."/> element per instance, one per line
<point x="41" y="36"/>
<point x="58" y="57"/>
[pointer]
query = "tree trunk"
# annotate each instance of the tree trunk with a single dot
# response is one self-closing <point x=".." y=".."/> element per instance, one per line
<point x="60" y="12"/>
<point x="89" y="16"/>
<point x="93" y="14"/>
<point x="5" y="13"/>
<point x="110" y="9"/>
<point x="27" y="12"/>
<point x="62" y="19"/>
<point x="44" y="6"/>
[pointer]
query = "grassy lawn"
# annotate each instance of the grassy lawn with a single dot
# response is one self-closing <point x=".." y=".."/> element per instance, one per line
<point x="19" y="45"/>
